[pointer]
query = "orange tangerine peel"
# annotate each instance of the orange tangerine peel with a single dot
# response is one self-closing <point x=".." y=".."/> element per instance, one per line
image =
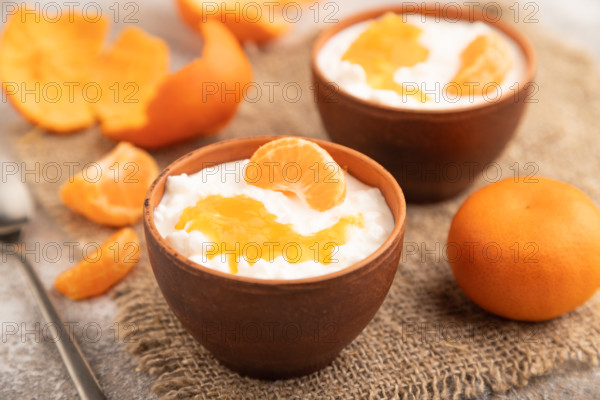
<point x="128" y="87"/>
<point x="546" y="239"/>
<point x="112" y="191"/>
<point x="102" y="269"/>
<point x="301" y="167"/>
<point x="214" y="215"/>
<point x="248" y="20"/>
<point x="200" y="99"/>
<point x="129" y="74"/>
<point x="45" y="65"/>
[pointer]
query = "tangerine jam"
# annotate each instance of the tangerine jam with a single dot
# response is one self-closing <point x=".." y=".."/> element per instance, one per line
<point x="240" y="226"/>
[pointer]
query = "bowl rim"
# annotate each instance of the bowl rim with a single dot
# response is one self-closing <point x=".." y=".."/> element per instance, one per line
<point x="196" y="268"/>
<point x="529" y="55"/>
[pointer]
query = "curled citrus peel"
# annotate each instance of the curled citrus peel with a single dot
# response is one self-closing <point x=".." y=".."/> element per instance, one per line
<point x="301" y="167"/>
<point x="249" y="20"/>
<point x="112" y="191"/>
<point x="101" y="269"/>
<point x="128" y="87"/>
<point x="45" y="65"/>
<point x="199" y="99"/>
<point x="484" y="65"/>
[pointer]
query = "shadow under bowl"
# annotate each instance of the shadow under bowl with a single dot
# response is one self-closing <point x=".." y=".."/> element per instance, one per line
<point x="434" y="154"/>
<point x="275" y="329"/>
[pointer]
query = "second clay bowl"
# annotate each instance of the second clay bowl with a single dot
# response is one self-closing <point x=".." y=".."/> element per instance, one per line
<point x="434" y="154"/>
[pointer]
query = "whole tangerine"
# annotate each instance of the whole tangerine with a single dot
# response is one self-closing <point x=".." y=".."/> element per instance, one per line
<point x="527" y="249"/>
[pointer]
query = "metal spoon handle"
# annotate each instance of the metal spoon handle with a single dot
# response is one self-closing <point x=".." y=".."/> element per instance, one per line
<point x="85" y="381"/>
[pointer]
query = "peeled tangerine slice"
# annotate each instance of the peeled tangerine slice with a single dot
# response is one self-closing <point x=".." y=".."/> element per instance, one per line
<point x="484" y="65"/>
<point x="386" y="45"/>
<point x="112" y="191"/>
<point x="45" y="64"/>
<point x="249" y="20"/>
<point x="299" y="166"/>
<point x="99" y="271"/>
<point x="199" y="99"/>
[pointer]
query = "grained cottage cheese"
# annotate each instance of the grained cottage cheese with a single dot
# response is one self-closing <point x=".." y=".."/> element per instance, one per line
<point x="227" y="180"/>
<point x="445" y="40"/>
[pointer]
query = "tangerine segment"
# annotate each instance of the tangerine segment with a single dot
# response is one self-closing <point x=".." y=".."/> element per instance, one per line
<point x="129" y="74"/>
<point x="386" y="45"/>
<point x="527" y="250"/>
<point x="45" y="64"/>
<point x="199" y="99"/>
<point x="484" y="64"/>
<point x="101" y="270"/>
<point x="255" y="226"/>
<point x="112" y="191"/>
<point x="299" y="166"/>
<point x="248" y="20"/>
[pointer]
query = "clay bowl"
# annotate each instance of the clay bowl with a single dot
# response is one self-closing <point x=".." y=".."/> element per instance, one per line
<point x="275" y="328"/>
<point x="434" y="155"/>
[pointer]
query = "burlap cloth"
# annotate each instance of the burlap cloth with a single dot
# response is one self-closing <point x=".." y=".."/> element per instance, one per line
<point x="427" y="340"/>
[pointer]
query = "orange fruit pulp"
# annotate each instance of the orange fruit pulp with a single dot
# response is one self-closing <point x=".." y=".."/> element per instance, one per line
<point x="102" y="269"/>
<point x="112" y="191"/>
<point x="527" y="250"/>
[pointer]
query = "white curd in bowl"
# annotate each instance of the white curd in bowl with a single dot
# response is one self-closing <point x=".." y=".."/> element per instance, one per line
<point x="445" y="40"/>
<point x="227" y="180"/>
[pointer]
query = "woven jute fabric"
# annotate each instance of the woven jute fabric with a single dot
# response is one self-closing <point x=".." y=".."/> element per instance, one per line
<point x="428" y="340"/>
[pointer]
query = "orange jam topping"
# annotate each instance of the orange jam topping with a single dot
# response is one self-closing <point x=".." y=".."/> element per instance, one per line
<point x="386" y="45"/>
<point x="484" y="64"/>
<point x="240" y="226"/>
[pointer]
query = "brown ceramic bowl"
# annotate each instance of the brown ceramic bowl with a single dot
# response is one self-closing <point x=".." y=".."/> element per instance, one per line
<point x="275" y="328"/>
<point x="434" y="155"/>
